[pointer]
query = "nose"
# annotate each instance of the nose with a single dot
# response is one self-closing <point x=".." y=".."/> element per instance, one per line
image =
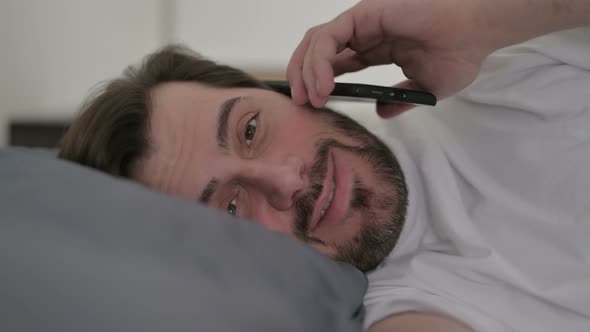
<point x="280" y="182"/>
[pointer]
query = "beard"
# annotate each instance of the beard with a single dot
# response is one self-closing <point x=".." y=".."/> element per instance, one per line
<point x="383" y="208"/>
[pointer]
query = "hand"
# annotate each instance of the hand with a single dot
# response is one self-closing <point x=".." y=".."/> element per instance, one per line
<point x="438" y="44"/>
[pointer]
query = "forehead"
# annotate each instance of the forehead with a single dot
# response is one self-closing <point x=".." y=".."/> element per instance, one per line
<point x="183" y="130"/>
<point x="174" y="103"/>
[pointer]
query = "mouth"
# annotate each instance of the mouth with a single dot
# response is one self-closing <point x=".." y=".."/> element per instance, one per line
<point x="332" y="204"/>
<point x="326" y="196"/>
<point x="329" y="200"/>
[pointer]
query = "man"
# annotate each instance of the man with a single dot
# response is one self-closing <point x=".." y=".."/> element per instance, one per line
<point x="470" y="217"/>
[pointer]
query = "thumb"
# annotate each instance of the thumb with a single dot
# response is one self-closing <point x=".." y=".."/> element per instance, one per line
<point x="389" y="110"/>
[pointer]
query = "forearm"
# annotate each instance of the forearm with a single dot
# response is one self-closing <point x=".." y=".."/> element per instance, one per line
<point x="513" y="21"/>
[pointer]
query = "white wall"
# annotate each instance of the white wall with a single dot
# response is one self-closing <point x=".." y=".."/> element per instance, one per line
<point x="258" y="33"/>
<point x="261" y="34"/>
<point x="53" y="52"/>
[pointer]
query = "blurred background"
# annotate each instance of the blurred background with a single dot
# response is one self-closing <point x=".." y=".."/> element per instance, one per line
<point x="52" y="53"/>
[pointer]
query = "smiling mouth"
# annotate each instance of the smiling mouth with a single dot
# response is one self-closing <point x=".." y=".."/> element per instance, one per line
<point x="326" y="197"/>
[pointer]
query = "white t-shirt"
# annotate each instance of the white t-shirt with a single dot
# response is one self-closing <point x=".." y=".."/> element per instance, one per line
<point x="498" y="227"/>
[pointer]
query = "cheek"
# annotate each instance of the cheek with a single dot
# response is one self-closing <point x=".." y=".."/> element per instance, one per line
<point x="291" y="142"/>
<point x="271" y="219"/>
<point x="303" y="128"/>
<point x="298" y="130"/>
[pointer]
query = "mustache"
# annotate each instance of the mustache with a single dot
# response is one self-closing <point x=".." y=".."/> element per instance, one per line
<point x="304" y="206"/>
<point x="318" y="172"/>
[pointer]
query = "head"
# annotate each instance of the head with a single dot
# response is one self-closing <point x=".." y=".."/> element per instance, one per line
<point x="189" y="127"/>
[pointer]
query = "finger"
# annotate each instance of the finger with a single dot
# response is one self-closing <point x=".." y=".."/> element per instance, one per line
<point x="299" y="93"/>
<point x="327" y="42"/>
<point x="348" y="61"/>
<point x="298" y="90"/>
<point x="351" y="60"/>
<point x="389" y="110"/>
<point x="309" y="83"/>
<point x="310" y="75"/>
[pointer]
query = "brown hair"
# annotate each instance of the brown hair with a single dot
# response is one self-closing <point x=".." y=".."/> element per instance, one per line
<point x="111" y="132"/>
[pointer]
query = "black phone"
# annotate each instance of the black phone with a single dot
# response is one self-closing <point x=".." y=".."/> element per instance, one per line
<point x="366" y="92"/>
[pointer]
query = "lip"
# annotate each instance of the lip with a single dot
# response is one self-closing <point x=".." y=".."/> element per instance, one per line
<point x="316" y="216"/>
<point x="338" y="209"/>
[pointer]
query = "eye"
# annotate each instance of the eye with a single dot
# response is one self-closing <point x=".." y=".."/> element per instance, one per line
<point x="250" y="130"/>
<point x="232" y="207"/>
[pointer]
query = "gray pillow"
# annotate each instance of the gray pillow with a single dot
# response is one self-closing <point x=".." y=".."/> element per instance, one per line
<point x="83" y="251"/>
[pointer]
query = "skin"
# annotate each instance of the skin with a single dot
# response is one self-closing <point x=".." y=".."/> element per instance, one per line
<point x="264" y="177"/>
<point x="440" y="47"/>
<point x="419" y="322"/>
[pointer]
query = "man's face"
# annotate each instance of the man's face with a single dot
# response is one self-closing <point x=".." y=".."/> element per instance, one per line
<point x="312" y="174"/>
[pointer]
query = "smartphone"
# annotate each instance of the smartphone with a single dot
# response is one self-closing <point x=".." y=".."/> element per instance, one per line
<point x="366" y="92"/>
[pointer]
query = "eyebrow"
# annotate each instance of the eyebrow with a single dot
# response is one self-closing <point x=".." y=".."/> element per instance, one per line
<point x="222" y="132"/>
<point x="223" y="121"/>
<point x="209" y="191"/>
